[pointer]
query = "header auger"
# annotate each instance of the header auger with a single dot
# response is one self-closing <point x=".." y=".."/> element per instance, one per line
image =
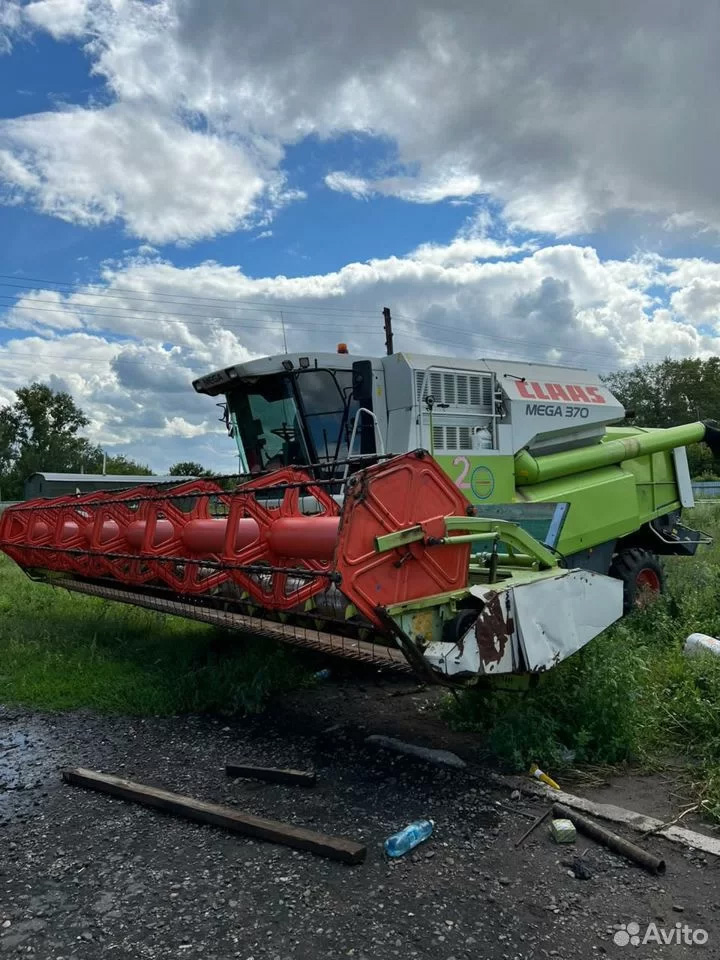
<point x="509" y="525"/>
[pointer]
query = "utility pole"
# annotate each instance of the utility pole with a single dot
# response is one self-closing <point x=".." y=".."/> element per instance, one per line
<point x="388" y="330"/>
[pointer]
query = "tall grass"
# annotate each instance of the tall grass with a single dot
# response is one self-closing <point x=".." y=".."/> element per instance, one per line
<point x="62" y="651"/>
<point x="629" y="695"/>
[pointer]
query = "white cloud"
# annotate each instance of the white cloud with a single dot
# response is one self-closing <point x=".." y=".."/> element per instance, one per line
<point x="563" y="114"/>
<point x="471" y="243"/>
<point x="450" y="185"/>
<point x="149" y="328"/>
<point x="10" y="22"/>
<point x="166" y="181"/>
<point x="180" y="427"/>
<point x="42" y="310"/>
<point x="61" y="18"/>
<point x="358" y="187"/>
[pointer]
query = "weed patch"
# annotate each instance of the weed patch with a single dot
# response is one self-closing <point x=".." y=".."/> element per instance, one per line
<point x="63" y="651"/>
<point x="629" y="695"/>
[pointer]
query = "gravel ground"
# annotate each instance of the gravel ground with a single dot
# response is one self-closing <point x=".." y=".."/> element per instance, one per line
<point x="86" y="876"/>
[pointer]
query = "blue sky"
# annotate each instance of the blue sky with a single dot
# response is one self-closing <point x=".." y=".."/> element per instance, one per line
<point x="176" y="178"/>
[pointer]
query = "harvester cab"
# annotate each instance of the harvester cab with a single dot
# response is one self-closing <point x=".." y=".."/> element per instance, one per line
<point x="459" y="518"/>
<point x="535" y="444"/>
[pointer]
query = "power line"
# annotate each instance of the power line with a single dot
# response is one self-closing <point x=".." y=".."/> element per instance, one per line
<point x="241" y="323"/>
<point x="21" y="357"/>
<point x="118" y="359"/>
<point x="89" y="310"/>
<point x="131" y="292"/>
<point x="477" y="338"/>
<point x="525" y="343"/>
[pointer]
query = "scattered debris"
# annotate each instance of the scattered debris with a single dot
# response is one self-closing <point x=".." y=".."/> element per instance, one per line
<point x="533" y="826"/>
<point x="334" y="730"/>
<point x="538" y="774"/>
<point x="302" y="778"/>
<point x="669" y="823"/>
<point x="515" y="810"/>
<point x="409" y="837"/>
<point x="698" y="643"/>
<point x="563" y="831"/>
<point x="335" y="848"/>
<point x="611" y="840"/>
<point x="609" y="811"/>
<point x="408" y="693"/>
<point x="322" y="674"/>
<point x="440" y="758"/>
<point x="515" y="795"/>
<point x="578" y="866"/>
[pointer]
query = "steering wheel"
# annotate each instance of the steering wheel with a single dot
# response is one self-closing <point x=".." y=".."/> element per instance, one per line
<point x="285" y="433"/>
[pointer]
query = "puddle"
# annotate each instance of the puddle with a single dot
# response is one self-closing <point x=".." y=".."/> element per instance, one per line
<point x="24" y="763"/>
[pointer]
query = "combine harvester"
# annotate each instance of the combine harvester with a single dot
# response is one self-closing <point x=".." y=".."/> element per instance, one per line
<point x="459" y="518"/>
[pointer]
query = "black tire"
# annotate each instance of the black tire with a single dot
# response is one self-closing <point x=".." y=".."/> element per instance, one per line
<point x="642" y="576"/>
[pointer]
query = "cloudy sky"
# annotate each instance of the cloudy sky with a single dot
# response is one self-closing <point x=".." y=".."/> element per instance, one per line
<point x="180" y="179"/>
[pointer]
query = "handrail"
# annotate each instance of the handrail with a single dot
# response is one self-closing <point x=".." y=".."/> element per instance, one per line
<point x="379" y="444"/>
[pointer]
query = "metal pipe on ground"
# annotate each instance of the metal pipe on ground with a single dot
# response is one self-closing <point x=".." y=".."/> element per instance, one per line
<point x="611" y="840"/>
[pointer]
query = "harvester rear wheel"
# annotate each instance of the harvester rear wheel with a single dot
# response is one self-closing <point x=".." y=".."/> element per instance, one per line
<point x="642" y="576"/>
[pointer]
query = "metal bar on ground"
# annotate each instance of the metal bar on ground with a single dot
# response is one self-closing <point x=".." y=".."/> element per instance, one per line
<point x="611" y="840"/>
<point x="533" y="826"/>
<point x="320" y="844"/>
<point x="302" y="778"/>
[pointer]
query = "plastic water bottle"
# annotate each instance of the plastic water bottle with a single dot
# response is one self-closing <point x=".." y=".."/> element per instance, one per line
<point x="699" y="642"/>
<point x="414" y="833"/>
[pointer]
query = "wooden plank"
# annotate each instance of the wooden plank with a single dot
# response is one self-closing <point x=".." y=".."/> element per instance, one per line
<point x="302" y="778"/>
<point x="335" y="848"/>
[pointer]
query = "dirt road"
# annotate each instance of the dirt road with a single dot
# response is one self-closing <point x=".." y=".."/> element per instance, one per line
<point x="86" y="876"/>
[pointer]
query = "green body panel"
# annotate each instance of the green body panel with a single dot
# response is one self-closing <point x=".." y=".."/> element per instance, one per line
<point x="603" y="505"/>
<point x="483" y="479"/>
<point x="615" y="448"/>
<point x="612" y="488"/>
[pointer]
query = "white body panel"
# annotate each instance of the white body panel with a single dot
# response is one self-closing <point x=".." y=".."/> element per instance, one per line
<point x="682" y="475"/>
<point x="520" y="405"/>
<point x="495" y="406"/>
<point x="531" y="627"/>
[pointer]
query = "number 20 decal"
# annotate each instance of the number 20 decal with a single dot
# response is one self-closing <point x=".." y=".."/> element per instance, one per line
<point x="461" y="481"/>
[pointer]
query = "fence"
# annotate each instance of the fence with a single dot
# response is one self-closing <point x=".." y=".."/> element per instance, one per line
<point x="710" y="490"/>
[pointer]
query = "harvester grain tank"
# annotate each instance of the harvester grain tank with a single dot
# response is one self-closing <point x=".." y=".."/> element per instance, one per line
<point x="460" y="518"/>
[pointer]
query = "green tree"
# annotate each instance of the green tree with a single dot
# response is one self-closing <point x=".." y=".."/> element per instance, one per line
<point x="117" y="465"/>
<point x="188" y="468"/>
<point x="40" y="431"/>
<point x="670" y="393"/>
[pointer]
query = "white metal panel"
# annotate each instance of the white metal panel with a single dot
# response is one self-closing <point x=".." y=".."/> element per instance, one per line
<point x="682" y="475"/>
<point x="490" y="646"/>
<point x="558" y="616"/>
<point x="562" y="408"/>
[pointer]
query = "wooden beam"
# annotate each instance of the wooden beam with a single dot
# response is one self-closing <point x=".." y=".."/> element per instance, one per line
<point x="302" y="778"/>
<point x="336" y="848"/>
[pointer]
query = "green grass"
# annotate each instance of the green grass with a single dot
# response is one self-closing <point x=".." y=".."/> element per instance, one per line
<point x="63" y="651"/>
<point x="630" y="695"/>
